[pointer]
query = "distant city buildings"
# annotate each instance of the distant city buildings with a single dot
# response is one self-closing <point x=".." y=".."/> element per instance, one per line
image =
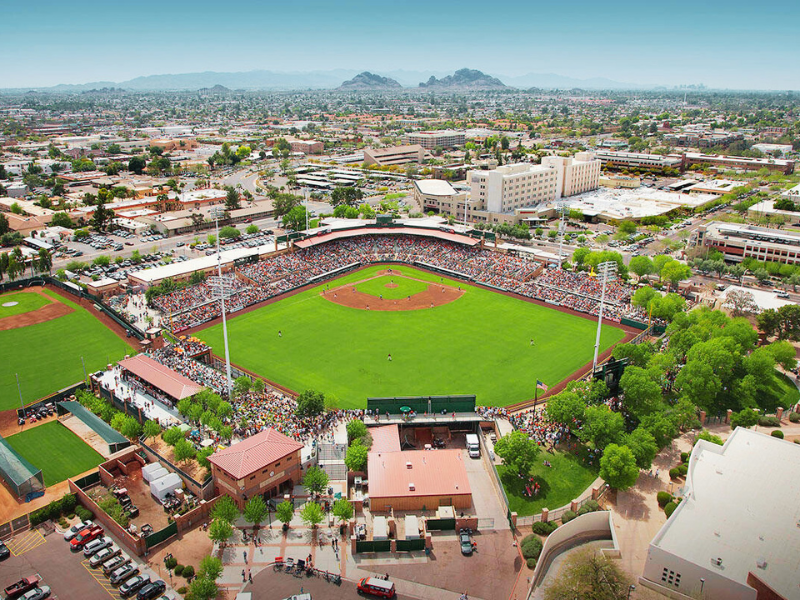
<point x="399" y="155"/>
<point x="445" y="139"/>
<point x="737" y="242"/>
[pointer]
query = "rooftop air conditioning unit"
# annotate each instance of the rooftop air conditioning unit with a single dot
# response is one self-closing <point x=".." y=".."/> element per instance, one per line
<point x="408" y="465"/>
<point x="411" y="487"/>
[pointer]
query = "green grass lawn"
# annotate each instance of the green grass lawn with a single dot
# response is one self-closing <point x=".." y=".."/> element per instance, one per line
<point x="26" y="302"/>
<point x="47" y="356"/>
<point x="783" y="392"/>
<point x="567" y="479"/>
<point x="54" y="449"/>
<point x="405" y="287"/>
<point x="478" y="344"/>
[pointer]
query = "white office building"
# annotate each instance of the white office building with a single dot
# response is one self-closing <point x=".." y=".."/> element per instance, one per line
<point x="577" y="174"/>
<point x="736" y="534"/>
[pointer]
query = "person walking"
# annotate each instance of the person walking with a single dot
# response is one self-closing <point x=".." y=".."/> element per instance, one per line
<point x="280" y="334"/>
<point x="390" y="358"/>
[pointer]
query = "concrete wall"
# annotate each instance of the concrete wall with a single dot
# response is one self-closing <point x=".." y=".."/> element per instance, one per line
<point x="597" y="525"/>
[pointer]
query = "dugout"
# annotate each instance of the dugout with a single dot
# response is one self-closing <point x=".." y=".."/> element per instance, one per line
<point x="423" y="404"/>
<point x="115" y="440"/>
<point x="21" y="476"/>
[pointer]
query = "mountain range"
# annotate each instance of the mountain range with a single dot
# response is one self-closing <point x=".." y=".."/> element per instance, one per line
<point x="317" y="80"/>
<point x="369" y="81"/>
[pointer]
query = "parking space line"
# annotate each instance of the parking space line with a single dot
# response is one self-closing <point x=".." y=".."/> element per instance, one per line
<point x="28" y="541"/>
<point x="100" y="578"/>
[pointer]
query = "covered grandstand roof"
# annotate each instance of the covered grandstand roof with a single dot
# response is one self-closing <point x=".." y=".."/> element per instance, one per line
<point x="165" y="379"/>
<point x="417" y="231"/>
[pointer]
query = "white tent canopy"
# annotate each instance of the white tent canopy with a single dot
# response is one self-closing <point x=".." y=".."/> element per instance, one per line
<point x="161" y="487"/>
<point x="155" y="474"/>
<point x="412" y="527"/>
<point x="380" y="528"/>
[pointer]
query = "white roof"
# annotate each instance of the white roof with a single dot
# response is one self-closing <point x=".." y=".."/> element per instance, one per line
<point x="412" y="527"/>
<point x="380" y="528"/>
<point x="741" y="505"/>
<point x="435" y="187"/>
<point x="176" y="269"/>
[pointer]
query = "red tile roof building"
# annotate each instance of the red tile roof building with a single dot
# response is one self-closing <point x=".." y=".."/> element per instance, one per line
<point x="264" y="464"/>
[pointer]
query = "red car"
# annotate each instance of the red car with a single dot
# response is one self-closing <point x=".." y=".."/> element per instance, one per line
<point x="84" y="537"/>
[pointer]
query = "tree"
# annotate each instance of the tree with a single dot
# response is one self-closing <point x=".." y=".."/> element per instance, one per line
<point x="741" y="303"/>
<point x="184" y="450"/>
<point x="601" y="426"/>
<point x="255" y="511"/>
<point x="4" y="227"/>
<point x="356" y="457"/>
<point x="131" y="428"/>
<point x="579" y="256"/>
<point x="225" y="510"/>
<point x="662" y="426"/>
<point x="60" y="219"/>
<point x="137" y="164"/>
<point x="618" y="467"/>
<point x="283" y="203"/>
<point x="783" y="353"/>
<point x="252" y="228"/>
<point x="284" y="512"/>
<point x="310" y="403"/>
<point x="355" y="430"/>
<point x="241" y="385"/>
<point x="232" y="199"/>
<point x="746" y="418"/>
<point x="642" y="394"/>
<point x="627" y="227"/>
<point x="564" y="407"/>
<point x="312" y="514"/>
<point x="675" y="271"/>
<point x="295" y="219"/>
<point x="346" y="195"/>
<point x="220" y="531"/>
<point x="643" y="445"/>
<point x="172" y="435"/>
<point x="315" y="480"/>
<point x="202" y="457"/>
<point x="258" y="386"/>
<point x="638" y="355"/>
<point x="101" y="217"/>
<point x="641" y="265"/>
<point x="518" y="451"/>
<point x="229" y="233"/>
<point x="643" y="296"/>
<point x="589" y="574"/>
<point x="210" y="568"/>
<point x="342" y="510"/>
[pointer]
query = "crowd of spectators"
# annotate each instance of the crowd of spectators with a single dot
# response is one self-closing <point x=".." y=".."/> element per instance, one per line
<point x="540" y="428"/>
<point x="277" y="274"/>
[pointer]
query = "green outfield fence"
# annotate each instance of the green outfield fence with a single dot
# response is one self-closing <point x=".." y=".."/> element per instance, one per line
<point x="423" y="404"/>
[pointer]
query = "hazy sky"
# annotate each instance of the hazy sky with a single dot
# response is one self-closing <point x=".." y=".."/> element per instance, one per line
<point x="732" y="44"/>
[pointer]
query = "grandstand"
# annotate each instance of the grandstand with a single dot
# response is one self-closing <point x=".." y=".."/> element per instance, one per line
<point x="20" y="476"/>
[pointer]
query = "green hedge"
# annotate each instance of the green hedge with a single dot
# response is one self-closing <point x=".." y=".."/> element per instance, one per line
<point x="663" y="498"/>
<point x="674" y="473"/>
<point x="684" y="457"/>
<point x="531" y="562"/>
<point x="794" y="417"/>
<point x="589" y="506"/>
<point x="670" y="508"/>
<point x="531" y="547"/>
<point x="544" y="528"/>
<point x="568" y="516"/>
<point x="66" y="505"/>
<point x="84" y="514"/>
<point x="178" y="569"/>
<point x="777" y="433"/>
<point x="769" y="421"/>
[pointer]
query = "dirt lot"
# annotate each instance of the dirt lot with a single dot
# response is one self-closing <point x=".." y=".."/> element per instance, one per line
<point x="489" y="573"/>
<point x="150" y="511"/>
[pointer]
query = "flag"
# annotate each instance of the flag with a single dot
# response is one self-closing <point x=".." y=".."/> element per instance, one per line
<point x="541" y="386"/>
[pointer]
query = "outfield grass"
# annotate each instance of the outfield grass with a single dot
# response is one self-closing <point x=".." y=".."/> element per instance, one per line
<point x="54" y="449"/>
<point x="565" y="480"/>
<point x="478" y="344"/>
<point x="47" y="356"/>
<point x="405" y="287"/>
<point x="26" y="302"/>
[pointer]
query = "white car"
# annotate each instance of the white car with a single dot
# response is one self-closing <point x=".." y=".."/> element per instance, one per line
<point x="76" y="529"/>
<point x="95" y="546"/>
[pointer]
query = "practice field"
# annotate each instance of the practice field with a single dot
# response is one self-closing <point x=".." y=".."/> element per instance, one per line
<point x="47" y="356"/>
<point x="55" y="450"/>
<point x="478" y="343"/>
<point x="25" y="301"/>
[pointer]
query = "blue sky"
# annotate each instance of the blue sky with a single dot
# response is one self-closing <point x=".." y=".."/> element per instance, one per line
<point x="733" y="44"/>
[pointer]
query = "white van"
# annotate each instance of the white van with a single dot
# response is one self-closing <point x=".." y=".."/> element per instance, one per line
<point x="473" y="446"/>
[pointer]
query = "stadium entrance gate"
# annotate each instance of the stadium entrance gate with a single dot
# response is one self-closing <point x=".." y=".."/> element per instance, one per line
<point x="330" y="458"/>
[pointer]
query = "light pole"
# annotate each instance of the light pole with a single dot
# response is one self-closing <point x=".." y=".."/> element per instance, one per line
<point x="702" y="585"/>
<point x="631" y="587"/>
<point x="223" y="287"/>
<point x="608" y="271"/>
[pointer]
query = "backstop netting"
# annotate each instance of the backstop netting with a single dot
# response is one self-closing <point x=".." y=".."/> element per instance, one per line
<point x="20" y="475"/>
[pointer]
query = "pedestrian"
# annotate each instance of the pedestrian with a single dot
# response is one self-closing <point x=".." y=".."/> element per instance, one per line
<point x="279" y="333"/>
<point x="532" y="344"/>
<point x="390" y="358"/>
<point x="250" y="577"/>
<point x="244" y="576"/>
<point x="245" y="557"/>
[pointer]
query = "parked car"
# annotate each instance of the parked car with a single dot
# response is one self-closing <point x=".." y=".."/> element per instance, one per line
<point x="84" y="537"/>
<point x="465" y="541"/>
<point x="95" y="546"/>
<point x="104" y="555"/>
<point x="115" y="563"/>
<point x="4" y="551"/>
<point x="122" y="573"/>
<point x="20" y="587"/>
<point x="38" y="593"/>
<point x="132" y="585"/>
<point x="76" y="529"/>
<point x="376" y="587"/>
<point x="152" y="590"/>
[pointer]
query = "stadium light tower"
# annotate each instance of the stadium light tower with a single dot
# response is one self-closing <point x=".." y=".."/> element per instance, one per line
<point x="562" y="228"/>
<point x="222" y="287"/>
<point x="608" y="271"/>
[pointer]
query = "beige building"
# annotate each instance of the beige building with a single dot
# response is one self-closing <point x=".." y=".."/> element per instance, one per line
<point x="399" y="155"/>
<point x="577" y="174"/>
<point x="439" y="196"/>
<point x="509" y="187"/>
<point x="429" y="140"/>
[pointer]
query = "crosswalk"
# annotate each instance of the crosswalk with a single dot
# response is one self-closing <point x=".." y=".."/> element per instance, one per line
<point x="26" y="542"/>
<point x="100" y="577"/>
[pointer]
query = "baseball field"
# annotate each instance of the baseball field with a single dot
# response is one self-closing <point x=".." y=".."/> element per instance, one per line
<point x="444" y="337"/>
<point x="42" y="339"/>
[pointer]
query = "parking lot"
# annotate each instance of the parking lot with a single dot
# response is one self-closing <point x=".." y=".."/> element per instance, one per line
<point x="277" y="585"/>
<point x="68" y="574"/>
